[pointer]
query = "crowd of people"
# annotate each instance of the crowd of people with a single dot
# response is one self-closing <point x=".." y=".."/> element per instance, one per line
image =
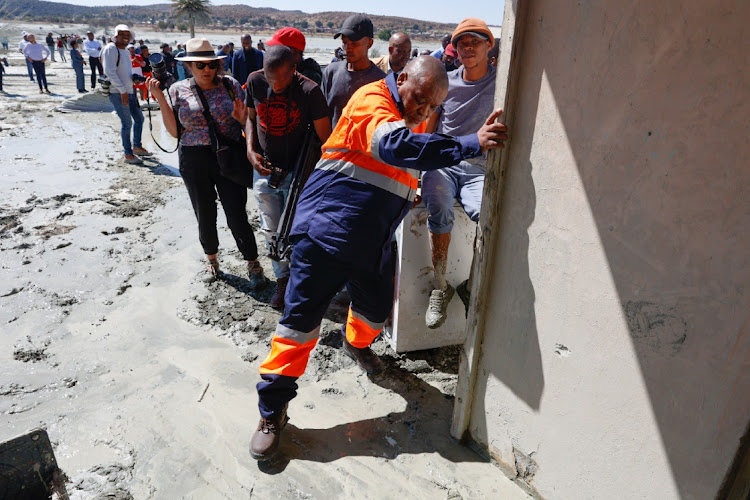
<point x="384" y="124"/>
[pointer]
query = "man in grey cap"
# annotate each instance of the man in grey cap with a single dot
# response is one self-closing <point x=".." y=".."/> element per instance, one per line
<point x="342" y="79"/>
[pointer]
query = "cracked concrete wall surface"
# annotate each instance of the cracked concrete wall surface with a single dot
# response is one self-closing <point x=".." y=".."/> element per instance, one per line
<point x="616" y="354"/>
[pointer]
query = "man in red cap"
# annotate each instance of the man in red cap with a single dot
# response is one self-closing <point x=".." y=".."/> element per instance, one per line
<point x="295" y="40"/>
<point x="449" y="58"/>
<point x="471" y="93"/>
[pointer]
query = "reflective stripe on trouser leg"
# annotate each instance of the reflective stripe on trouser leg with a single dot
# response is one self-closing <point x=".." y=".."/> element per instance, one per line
<point x="290" y="351"/>
<point x="360" y="331"/>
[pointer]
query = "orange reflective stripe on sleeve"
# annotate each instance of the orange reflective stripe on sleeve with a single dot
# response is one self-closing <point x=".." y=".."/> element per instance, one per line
<point x="360" y="332"/>
<point x="287" y="357"/>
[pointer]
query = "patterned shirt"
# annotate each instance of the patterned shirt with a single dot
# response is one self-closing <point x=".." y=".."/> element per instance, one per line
<point x="188" y="108"/>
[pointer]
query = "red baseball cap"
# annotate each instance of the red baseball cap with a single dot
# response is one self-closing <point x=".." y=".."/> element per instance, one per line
<point x="451" y="51"/>
<point x="290" y="37"/>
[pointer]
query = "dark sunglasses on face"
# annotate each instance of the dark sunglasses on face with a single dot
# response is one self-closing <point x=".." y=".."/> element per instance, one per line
<point x="211" y="65"/>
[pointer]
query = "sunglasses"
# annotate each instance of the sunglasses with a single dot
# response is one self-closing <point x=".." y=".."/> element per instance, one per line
<point x="211" y="65"/>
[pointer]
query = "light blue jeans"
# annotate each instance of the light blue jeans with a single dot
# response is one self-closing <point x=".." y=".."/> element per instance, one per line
<point x="129" y="117"/>
<point x="30" y="69"/>
<point x="270" y="205"/>
<point x="464" y="182"/>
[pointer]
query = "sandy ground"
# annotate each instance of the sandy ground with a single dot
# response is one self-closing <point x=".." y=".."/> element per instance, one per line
<point x="109" y="337"/>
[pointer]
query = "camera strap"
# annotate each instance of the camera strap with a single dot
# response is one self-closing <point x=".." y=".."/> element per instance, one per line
<point x="151" y="125"/>
<point x="212" y="127"/>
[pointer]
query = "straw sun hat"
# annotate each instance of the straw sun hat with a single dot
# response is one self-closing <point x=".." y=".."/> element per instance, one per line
<point x="199" y="49"/>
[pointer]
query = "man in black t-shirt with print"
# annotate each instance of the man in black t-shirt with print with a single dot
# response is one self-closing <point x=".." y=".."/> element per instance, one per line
<point x="282" y="106"/>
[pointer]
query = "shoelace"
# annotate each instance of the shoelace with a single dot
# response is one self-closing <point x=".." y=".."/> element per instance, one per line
<point x="436" y="300"/>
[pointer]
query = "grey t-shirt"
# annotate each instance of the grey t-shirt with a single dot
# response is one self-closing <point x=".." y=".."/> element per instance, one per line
<point x="339" y="84"/>
<point x="468" y="104"/>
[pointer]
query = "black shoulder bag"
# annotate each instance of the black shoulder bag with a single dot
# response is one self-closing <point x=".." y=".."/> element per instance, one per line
<point x="231" y="155"/>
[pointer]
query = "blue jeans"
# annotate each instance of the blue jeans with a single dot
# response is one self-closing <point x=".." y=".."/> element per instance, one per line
<point x="271" y="205"/>
<point x="129" y="117"/>
<point x="30" y="68"/>
<point x="80" y="79"/>
<point x="464" y="182"/>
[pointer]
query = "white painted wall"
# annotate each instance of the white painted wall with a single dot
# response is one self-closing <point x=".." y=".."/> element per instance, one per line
<point x="616" y="352"/>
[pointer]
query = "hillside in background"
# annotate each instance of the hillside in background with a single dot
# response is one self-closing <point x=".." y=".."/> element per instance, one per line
<point x="223" y="17"/>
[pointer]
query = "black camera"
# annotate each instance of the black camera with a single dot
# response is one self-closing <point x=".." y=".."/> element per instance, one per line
<point x="138" y="78"/>
<point x="277" y="174"/>
<point x="159" y="71"/>
<point x="105" y="83"/>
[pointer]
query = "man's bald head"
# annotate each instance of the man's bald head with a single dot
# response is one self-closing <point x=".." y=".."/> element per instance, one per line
<point x="422" y="87"/>
<point x="427" y="70"/>
<point x="399" y="50"/>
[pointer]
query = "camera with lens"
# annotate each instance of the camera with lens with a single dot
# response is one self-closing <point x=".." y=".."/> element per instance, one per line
<point x="159" y="71"/>
<point x="105" y="83"/>
<point x="277" y="174"/>
<point x="138" y="78"/>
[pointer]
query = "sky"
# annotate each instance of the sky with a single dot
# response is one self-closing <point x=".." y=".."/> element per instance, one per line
<point x="444" y="11"/>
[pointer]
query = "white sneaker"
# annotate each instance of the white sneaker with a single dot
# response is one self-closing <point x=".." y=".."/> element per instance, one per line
<point x="436" y="310"/>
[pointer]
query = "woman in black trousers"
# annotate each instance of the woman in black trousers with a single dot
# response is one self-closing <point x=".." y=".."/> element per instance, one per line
<point x="198" y="165"/>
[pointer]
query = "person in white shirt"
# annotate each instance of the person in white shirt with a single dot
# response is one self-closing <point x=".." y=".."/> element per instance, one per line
<point x="21" y="45"/>
<point x="37" y="54"/>
<point x="93" y="48"/>
<point x="118" y="70"/>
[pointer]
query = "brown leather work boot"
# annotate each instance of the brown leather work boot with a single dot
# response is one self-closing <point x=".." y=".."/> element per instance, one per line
<point x="365" y="358"/>
<point x="277" y="301"/>
<point x="265" y="441"/>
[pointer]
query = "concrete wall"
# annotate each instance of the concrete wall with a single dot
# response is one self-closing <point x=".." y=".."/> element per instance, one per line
<point x="616" y="355"/>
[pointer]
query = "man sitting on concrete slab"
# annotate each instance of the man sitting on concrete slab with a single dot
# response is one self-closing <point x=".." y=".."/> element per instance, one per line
<point x="471" y="94"/>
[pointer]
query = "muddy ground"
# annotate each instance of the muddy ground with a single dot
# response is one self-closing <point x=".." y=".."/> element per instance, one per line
<point x="143" y="374"/>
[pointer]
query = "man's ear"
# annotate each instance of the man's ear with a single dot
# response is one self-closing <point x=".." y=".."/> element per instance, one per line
<point x="369" y="44"/>
<point x="402" y="78"/>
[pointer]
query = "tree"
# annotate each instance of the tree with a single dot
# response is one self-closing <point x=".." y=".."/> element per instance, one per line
<point x="304" y="24"/>
<point x="330" y="24"/>
<point x="162" y="25"/>
<point x="182" y="27"/>
<point x="193" y="10"/>
<point x="384" y="34"/>
<point x="318" y="23"/>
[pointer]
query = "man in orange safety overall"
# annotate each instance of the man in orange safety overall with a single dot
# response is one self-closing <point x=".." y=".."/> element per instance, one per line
<point x="359" y="192"/>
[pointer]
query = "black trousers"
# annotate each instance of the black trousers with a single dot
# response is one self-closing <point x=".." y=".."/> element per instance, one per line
<point x="95" y="63"/>
<point x="200" y="173"/>
<point x="41" y="73"/>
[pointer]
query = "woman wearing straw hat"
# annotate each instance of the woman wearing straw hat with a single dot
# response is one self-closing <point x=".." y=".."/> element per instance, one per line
<point x="198" y="165"/>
